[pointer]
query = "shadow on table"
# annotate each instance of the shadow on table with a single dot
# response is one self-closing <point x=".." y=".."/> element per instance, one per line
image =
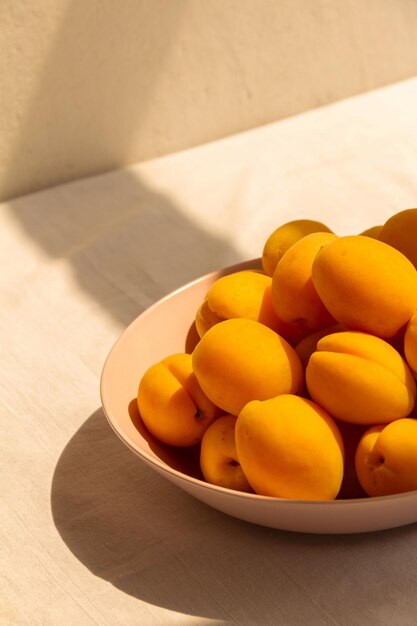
<point x="136" y="530"/>
<point x="125" y="243"/>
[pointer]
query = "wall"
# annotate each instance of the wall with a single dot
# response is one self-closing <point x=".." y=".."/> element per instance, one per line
<point x="91" y="85"/>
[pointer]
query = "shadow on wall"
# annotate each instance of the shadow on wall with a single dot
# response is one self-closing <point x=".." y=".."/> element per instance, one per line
<point x="126" y="244"/>
<point x="64" y="128"/>
<point x="151" y="540"/>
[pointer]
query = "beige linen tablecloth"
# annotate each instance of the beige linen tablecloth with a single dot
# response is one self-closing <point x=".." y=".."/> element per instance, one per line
<point x="89" y="534"/>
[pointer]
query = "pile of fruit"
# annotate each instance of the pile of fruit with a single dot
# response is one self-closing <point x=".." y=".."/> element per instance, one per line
<point x="302" y="384"/>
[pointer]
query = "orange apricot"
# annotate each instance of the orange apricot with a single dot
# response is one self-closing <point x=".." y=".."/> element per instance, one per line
<point x="366" y="285"/>
<point x="294" y="296"/>
<point x="290" y="447"/>
<point x="239" y="360"/>
<point x="284" y="237"/>
<point x="360" y="378"/>
<point x="172" y="404"/>
<point x="386" y="458"/>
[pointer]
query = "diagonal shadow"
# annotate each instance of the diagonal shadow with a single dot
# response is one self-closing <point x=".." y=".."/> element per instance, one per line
<point x="126" y="244"/>
<point x="145" y="536"/>
<point x="94" y="80"/>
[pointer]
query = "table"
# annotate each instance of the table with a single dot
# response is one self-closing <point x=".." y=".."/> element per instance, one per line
<point x="89" y="534"/>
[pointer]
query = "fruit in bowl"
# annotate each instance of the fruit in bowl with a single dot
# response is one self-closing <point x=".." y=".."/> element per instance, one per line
<point x="172" y="404"/>
<point x="218" y="456"/>
<point x="360" y="378"/>
<point x="294" y="295"/>
<point x="289" y="447"/>
<point x="366" y="284"/>
<point x="386" y="458"/>
<point x="293" y="459"/>
<point x="239" y="360"/>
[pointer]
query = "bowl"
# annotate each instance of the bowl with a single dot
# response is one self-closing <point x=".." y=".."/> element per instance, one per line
<point x="167" y="327"/>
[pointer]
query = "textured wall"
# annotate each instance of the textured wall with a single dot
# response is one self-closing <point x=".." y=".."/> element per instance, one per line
<point x="91" y="85"/>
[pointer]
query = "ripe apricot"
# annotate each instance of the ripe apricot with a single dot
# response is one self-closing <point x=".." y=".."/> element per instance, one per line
<point x="294" y="296"/>
<point x="240" y="294"/>
<point x="245" y="294"/>
<point x="171" y="403"/>
<point x="218" y="457"/>
<point x="400" y="232"/>
<point x="360" y="378"/>
<point x="289" y="447"/>
<point x="284" y="237"/>
<point x="366" y="284"/>
<point x="386" y="458"/>
<point x="239" y="360"/>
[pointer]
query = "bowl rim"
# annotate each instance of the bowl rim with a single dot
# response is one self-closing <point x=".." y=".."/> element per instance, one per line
<point x="163" y="467"/>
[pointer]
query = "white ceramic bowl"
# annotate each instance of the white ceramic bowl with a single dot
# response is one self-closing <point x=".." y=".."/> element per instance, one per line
<point x="167" y="328"/>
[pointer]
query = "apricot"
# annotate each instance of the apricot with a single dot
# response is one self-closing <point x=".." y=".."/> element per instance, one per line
<point x="386" y="458"/>
<point x="410" y="344"/>
<point x="373" y="232"/>
<point x="284" y="237"/>
<point x="171" y="403"/>
<point x="239" y="360"/>
<point x="218" y="457"/>
<point x="366" y="284"/>
<point x="240" y="294"/>
<point x="294" y="296"/>
<point x="360" y="378"/>
<point x="245" y="294"/>
<point x="400" y="232"/>
<point x="289" y="447"/>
